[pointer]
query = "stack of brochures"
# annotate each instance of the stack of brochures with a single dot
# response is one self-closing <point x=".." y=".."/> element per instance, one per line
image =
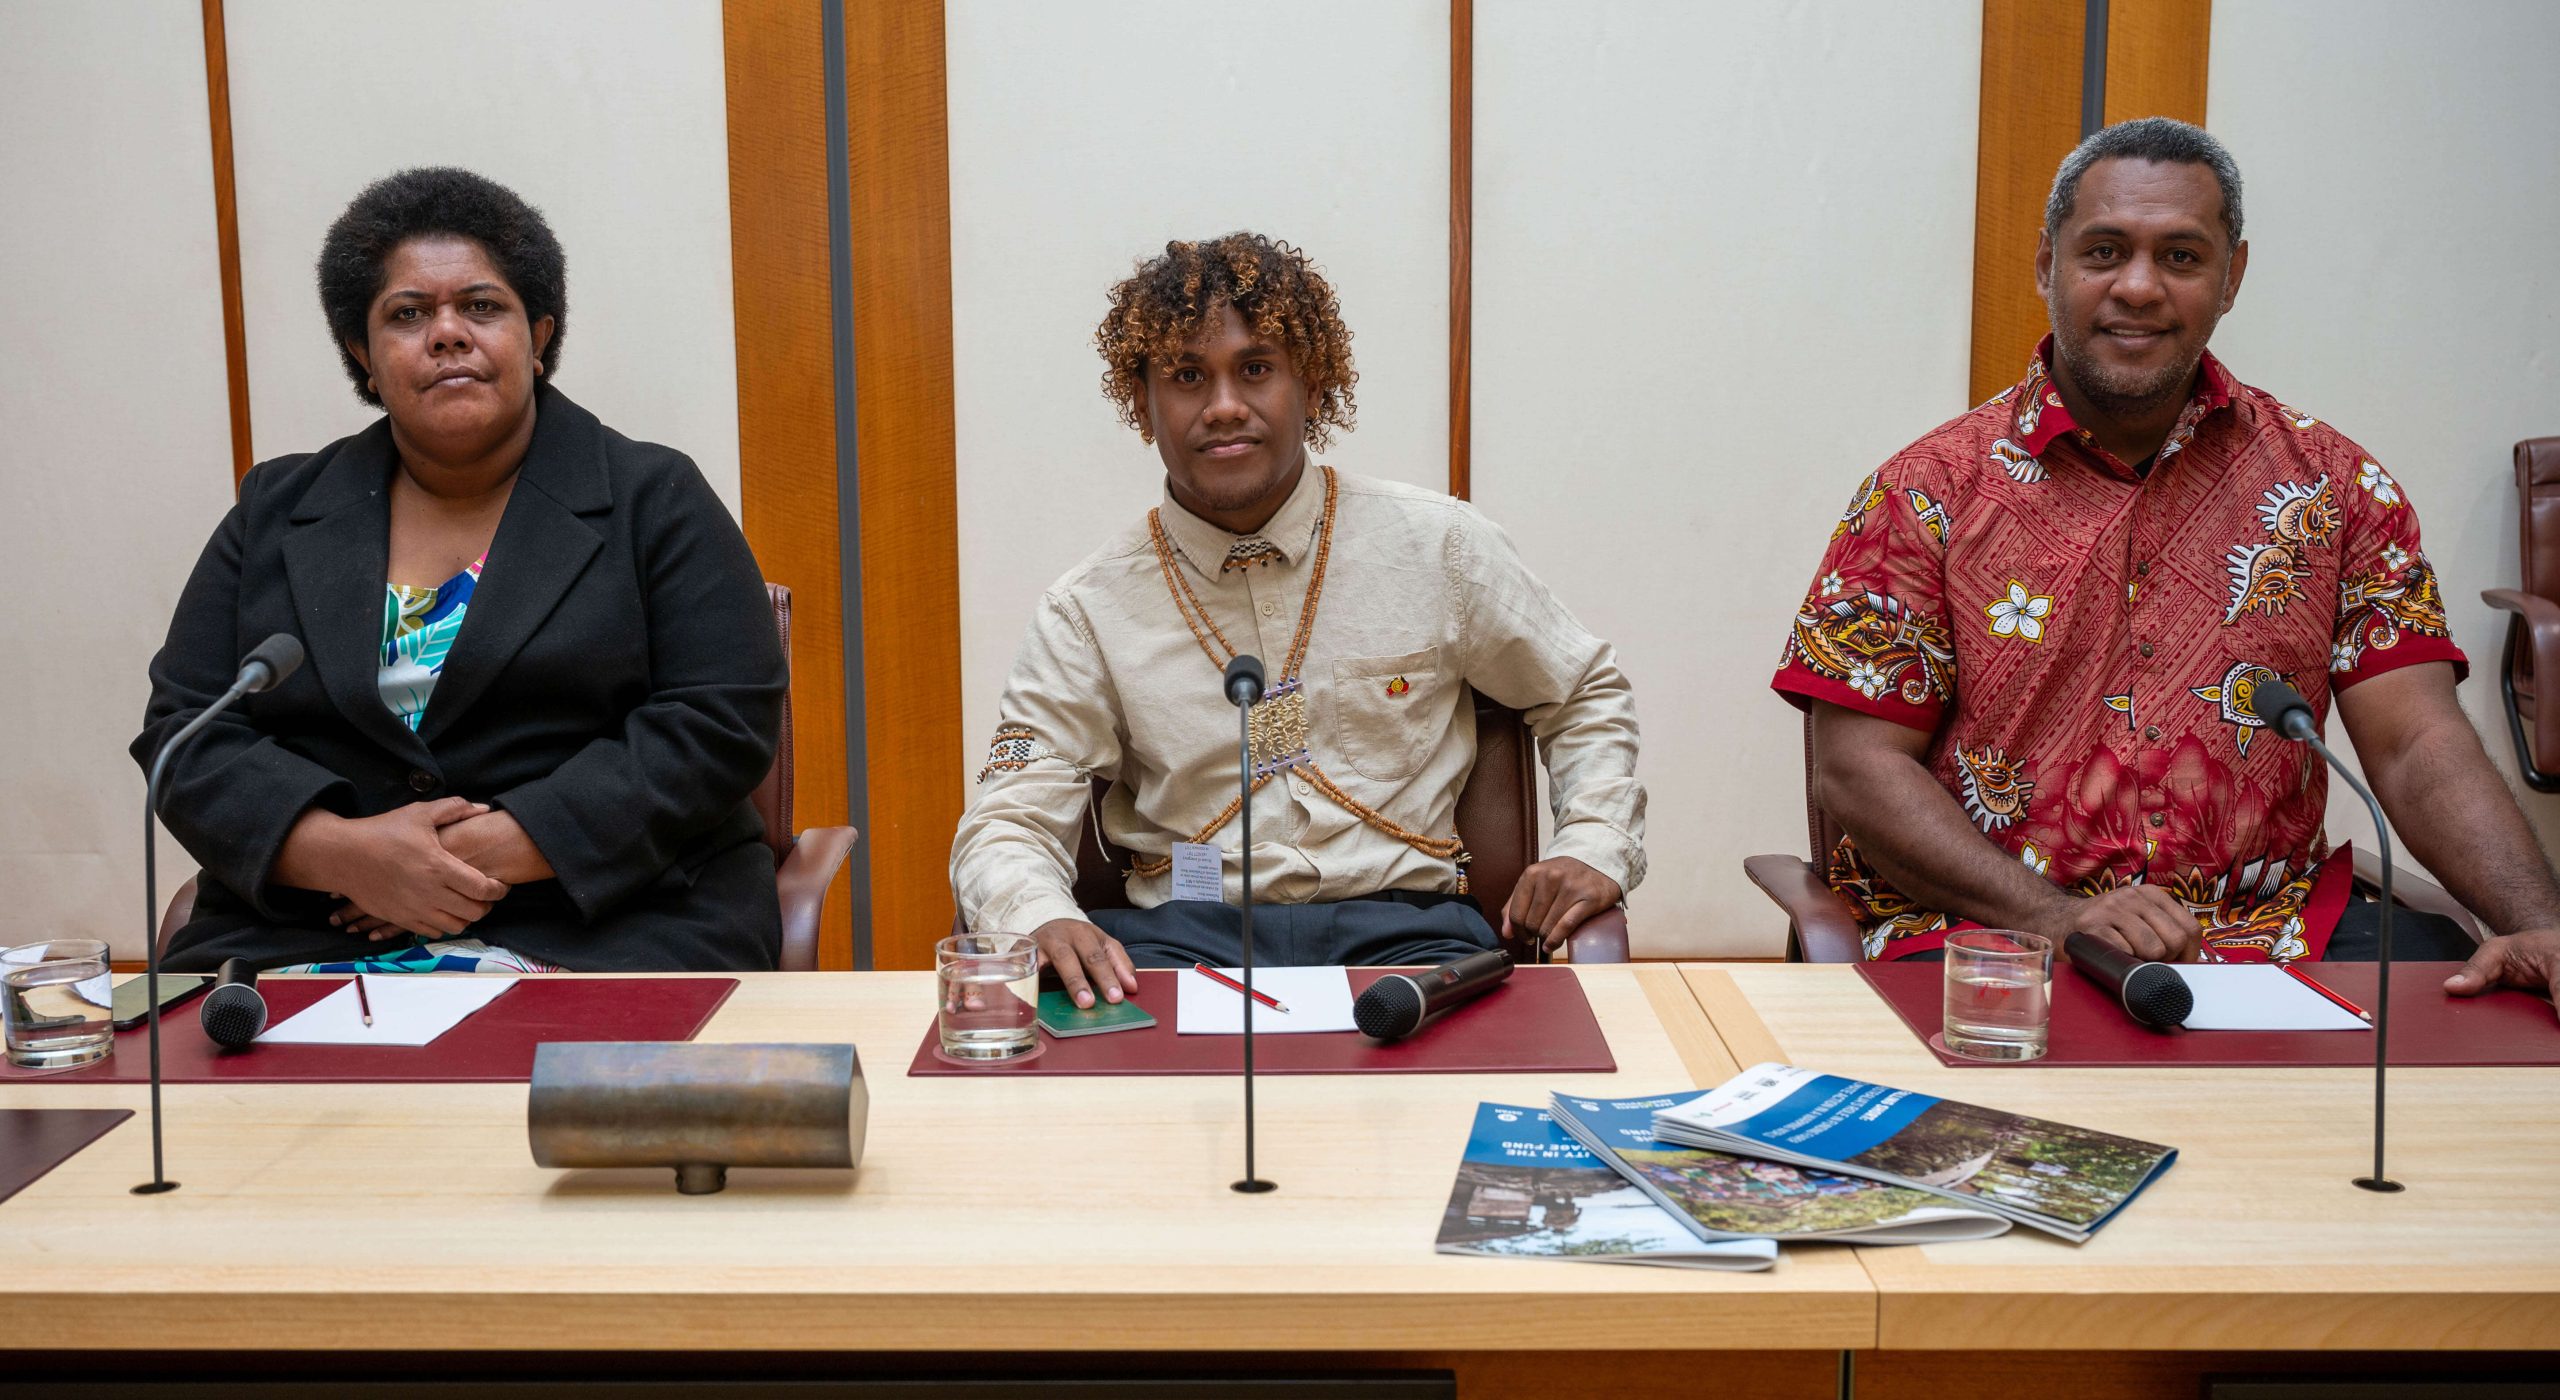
<point x="1527" y="1190"/>
<point x="1721" y="1196"/>
<point x="2048" y="1176"/>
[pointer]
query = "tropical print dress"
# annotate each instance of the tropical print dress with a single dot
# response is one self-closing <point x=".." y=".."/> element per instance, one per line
<point x="418" y="628"/>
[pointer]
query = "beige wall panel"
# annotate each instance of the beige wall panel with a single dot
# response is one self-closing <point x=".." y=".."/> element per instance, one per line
<point x="2402" y="168"/>
<point x="1084" y="136"/>
<point x="1722" y="270"/>
<point x="608" y="115"/>
<point x="114" y="435"/>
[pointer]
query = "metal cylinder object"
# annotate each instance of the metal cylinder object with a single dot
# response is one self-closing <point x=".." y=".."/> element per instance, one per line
<point x="700" y="1109"/>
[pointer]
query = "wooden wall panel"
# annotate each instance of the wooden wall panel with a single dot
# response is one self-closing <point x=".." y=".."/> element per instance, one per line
<point x="776" y="58"/>
<point x="899" y="145"/>
<point x="226" y="226"/>
<point x="2030" y="121"/>
<point x="1462" y="198"/>
<point x="2156" y="58"/>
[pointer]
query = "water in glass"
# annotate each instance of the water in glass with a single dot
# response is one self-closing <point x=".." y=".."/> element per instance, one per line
<point x="1998" y="1003"/>
<point x="989" y="995"/>
<point x="60" y="1013"/>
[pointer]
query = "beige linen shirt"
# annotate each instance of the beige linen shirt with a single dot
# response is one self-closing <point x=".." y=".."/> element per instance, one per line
<point x="1418" y="587"/>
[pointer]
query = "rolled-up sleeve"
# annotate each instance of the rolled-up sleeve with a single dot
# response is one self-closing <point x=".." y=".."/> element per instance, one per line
<point x="1013" y="861"/>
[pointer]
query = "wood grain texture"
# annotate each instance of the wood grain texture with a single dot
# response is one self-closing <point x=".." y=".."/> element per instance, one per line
<point x="2030" y="121"/>
<point x="1001" y="1213"/>
<point x="1462" y="200"/>
<point x="901" y="207"/>
<point x="2157" y="55"/>
<point x="2254" y="1240"/>
<point x="226" y="236"/>
<point x="776" y="60"/>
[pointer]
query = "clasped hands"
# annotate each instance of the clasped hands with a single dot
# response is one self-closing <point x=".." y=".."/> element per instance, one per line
<point x="432" y="868"/>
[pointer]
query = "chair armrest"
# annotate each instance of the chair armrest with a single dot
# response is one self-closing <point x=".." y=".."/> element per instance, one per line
<point x="802" y="881"/>
<point x="1823" y="928"/>
<point x="181" y="912"/>
<point x="2424" y="896"/>
<point x="1601" y="939"/>
<point x="2539" y="620"/>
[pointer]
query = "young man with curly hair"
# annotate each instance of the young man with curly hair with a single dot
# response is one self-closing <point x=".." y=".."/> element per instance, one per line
<point x="1375" y="607"/>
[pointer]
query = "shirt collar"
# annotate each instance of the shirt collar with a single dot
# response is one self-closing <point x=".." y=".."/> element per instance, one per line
<point x="2037" y="417"/>
<point x="1290" y="531"/>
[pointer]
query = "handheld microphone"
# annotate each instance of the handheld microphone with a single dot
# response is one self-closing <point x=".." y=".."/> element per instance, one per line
<point x="2281" y="708"/>
<point x="2152" y="993"/>
<point x="234" y="1011"/>
<point x="1244" y="680"/>
<point x="1401" y="1003"/>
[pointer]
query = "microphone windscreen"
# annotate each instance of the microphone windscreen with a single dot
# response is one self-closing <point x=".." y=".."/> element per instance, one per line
<point x="234" y="1015"/>
<point x="275" y="658"/>
<point x="2270" y="700"/>
<point x="2157" y="996"/>
<point x="1244" y="679"/>
<point x="1391" y="1007"/>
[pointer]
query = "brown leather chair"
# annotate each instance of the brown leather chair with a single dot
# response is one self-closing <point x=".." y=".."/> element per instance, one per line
<point x="1497" y="813"/>
<point x="803" y="866"/>
<point x="1821" y="927"/>
<point x="2533" y="621"/>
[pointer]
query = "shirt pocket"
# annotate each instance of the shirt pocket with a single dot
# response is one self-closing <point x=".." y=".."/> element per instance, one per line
<point x="1386" y="712"/>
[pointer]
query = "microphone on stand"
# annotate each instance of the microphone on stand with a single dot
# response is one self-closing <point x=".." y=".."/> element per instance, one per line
<point x="1244" y="687"/>
<point x="2152" y="993"/>
<point x="265" y="667"/>
<point x="2281" y="708"/>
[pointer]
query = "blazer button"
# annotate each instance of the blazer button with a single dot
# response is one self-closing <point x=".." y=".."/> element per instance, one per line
<point x="421" y="781"/>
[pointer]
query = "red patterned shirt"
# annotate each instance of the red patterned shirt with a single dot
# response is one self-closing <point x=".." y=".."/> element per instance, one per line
<point x="2079" y="641"/>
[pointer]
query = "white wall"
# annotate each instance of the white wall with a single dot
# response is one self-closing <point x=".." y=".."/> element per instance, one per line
<point x="610" y="116"/>
<point x="2402" y="183"/>
<point x="114" y="435"/>
<point x="1722" y="270"/>
<point x="1083" y="137"/>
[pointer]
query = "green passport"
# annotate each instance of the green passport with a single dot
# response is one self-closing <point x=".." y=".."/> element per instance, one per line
<point x="1061" y="1017"/>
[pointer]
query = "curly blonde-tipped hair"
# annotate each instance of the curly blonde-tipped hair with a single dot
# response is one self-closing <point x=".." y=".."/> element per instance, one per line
<point x="1168" y="301"/>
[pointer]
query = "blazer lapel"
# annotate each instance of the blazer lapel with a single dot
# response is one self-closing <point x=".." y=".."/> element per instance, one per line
<point x="540" y="549"/>
<point x="335" y="561"/>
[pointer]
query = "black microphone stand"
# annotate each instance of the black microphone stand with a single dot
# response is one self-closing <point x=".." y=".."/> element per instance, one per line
<point x="1244" y="687"/>
<point x="2379" y="1181"/>
<point x="160" y="1181"/>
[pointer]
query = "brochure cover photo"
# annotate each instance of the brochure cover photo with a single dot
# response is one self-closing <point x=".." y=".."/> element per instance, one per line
<point x="1527" y="1189"/>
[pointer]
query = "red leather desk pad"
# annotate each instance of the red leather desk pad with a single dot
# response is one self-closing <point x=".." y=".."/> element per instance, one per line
<point x="1537" y="1022"/>
<point x="34" y="1141"/>
<point x="493" y="1045"/>
<point x="2090" y="1028"/>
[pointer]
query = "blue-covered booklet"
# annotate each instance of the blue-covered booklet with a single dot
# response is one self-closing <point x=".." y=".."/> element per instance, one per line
<point x="1722" y="1196"/>
<point x="2049" y="1176"/>
<point x="1528" y="1190"/>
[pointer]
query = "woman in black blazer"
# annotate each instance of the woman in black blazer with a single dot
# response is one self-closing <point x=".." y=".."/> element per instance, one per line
<point x="543" y="674"/>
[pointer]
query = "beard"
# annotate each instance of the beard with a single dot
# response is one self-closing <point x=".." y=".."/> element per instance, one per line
<point x="2121" y="393"/>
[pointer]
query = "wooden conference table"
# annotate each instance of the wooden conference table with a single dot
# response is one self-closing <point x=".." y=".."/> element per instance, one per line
<point x="1085" y="1226"/>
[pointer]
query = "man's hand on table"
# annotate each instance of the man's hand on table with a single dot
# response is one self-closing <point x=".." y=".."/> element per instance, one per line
<point x="1555" y="897"/>
<point x="2148" y="922"/>
<point x="2527" y="961"/>
<point x="1089" y="961"/>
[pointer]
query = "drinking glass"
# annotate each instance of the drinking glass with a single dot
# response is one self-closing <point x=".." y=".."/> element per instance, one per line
<point x="58" y="1001"/>
<point x="990" y="995"/>
<point x="1999" y="1005"/>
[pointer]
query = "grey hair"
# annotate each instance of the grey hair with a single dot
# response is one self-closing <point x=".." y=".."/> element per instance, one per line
<point x="2164" y="140"/>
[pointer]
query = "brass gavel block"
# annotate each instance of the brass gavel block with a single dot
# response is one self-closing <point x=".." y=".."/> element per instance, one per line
<point x="700" y="1109"/>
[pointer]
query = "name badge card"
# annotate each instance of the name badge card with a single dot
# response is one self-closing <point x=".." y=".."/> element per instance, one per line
<point x="1196" y="874"/>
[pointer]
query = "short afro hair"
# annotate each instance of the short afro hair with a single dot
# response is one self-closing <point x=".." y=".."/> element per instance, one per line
<point x="426" y="202"/>
<point x="2160" y="140"/>
<point x="1167" y="302"/>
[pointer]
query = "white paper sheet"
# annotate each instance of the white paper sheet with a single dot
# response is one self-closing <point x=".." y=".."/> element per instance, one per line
<point x="1318" y="998"/>
<point x="409" y="1008"/>
<point x="2260" y="997"/>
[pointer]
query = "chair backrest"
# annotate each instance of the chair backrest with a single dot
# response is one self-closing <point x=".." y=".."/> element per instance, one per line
<point x="2538" y="515"/>
<point x="1497" y="813"/>
<point x="1820" y="831"/>
<point x="773" y="795"/>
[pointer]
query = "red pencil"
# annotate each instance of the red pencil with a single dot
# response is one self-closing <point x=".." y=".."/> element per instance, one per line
<point x="1233" y="985"/>
<point x="363" y="1003"/>
<point x="2304" y="978"/>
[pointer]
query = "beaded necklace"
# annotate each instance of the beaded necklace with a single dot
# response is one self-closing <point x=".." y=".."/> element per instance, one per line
<point x="1278" y="723"/>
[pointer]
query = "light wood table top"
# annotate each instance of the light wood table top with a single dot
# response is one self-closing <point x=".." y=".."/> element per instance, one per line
<point x="2254" y="1240"/>
<point x="1001" y="1214"/>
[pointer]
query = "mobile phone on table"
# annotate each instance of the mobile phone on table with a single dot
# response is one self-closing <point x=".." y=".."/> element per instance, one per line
<point x="133" y="1006"/>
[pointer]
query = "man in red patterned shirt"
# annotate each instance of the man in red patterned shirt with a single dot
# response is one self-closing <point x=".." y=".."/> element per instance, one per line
<point x="2030" y="648"/>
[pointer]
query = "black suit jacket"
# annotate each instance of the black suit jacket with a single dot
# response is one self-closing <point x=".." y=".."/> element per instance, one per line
<point x="617" y="685"/>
